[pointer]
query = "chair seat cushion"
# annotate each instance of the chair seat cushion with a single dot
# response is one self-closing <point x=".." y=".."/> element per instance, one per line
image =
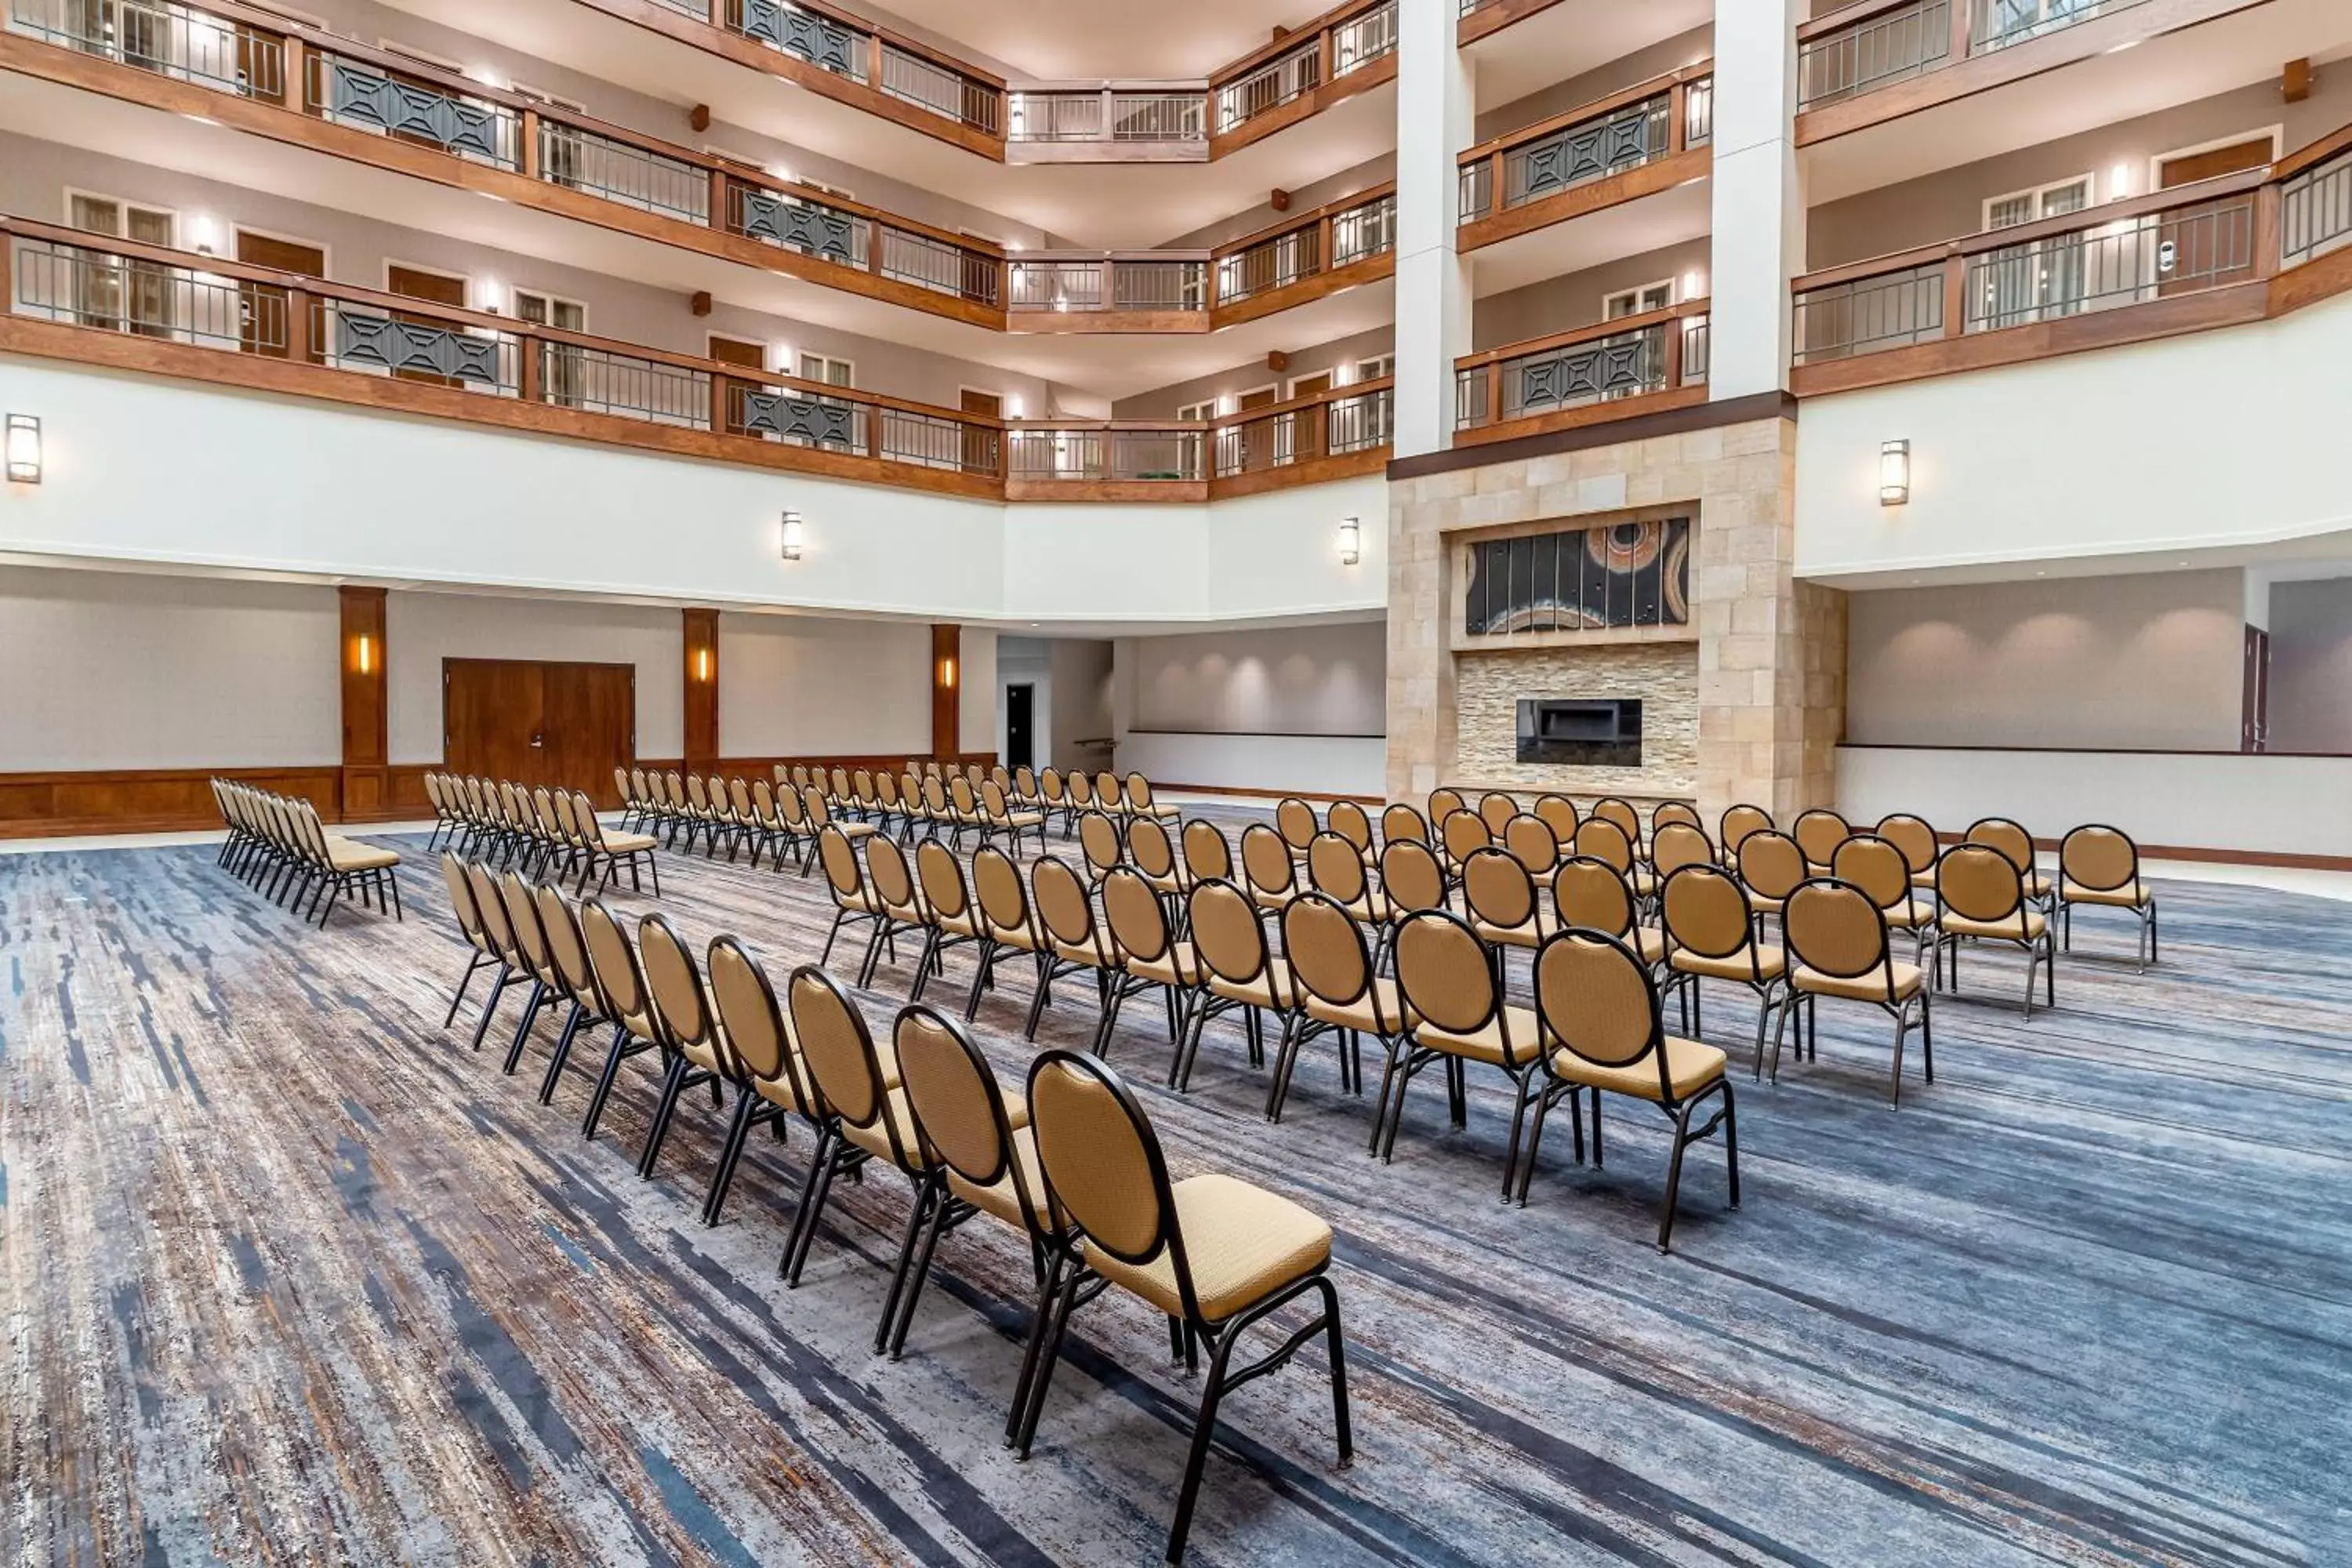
<point x="1174" y="967"/>
<point x="854" y="830"/>
<point x="1243" y="1244"/>
<point x="1018" y="937"/>
<point x="627" y="843"/>
<point x="2130" y="896"/>
<point x="1910" y="914"/>
<point x="1003" y="1200"/>
<point x="1748" y="964"/>
<point x="1019" y="819"/>
<point x="345" y="854"/>
<point x="1271" y="989"/>
<point x="1488" y="1045"/>
<point x="2012" y="929"/>
<point x="876" y="1141"/>
<point x="1377" y="1009"/>
<point x="1690" y="1067"/>
<point x="1871" y="987"/>
<point x="1540" y="925"/>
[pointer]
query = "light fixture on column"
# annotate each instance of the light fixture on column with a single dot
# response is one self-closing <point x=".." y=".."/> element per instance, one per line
<point x="24" y="449"/>
<point x="1351" y="541"/>
<point x="365" y="654"/>
<point x="792" y="534"/>
<point x="702" y="666"/>
<point x="1894" y="473"/>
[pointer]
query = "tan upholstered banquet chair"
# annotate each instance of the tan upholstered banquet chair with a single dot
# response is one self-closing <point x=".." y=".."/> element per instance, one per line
<point x="2098" y="868"/>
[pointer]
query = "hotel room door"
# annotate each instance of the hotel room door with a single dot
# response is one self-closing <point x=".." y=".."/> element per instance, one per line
<point x="540" y="723"/>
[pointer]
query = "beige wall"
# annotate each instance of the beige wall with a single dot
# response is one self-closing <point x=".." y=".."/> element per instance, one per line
<point x="1573" y="299"/>
<point x="1950" y="203"/>
<point x="809" y="684"/>
<point x="1672" y="54"/>
<point x="1342" y="355"/>
<point x="423" y="629"/>
<point x="2311" y="666"/>
<point x="125" y="670"/>
<point x="1291" y="681"/>
<point x="2153" y="661"/>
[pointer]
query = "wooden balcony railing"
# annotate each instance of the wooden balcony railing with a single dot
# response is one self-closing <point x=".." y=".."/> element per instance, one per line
<point x="2218" y="251"/>
<point x="1344" y="51"/>
<point x="72" y="294"/>
<point x="1482" y="18"/>
<point x="1538" y="174"/>
<point x="1859" y="49"/>
<point x="1306" y="256"/>
<point x="849" y="46"/>
<point x="1134" y="285"/>
<point x="1605" y="371"/>
<point x="1330" y="435"/>
<point x="1113" y="120"/>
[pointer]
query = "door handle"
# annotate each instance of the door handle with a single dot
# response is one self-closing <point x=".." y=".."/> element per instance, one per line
<point x="539" y="740"/>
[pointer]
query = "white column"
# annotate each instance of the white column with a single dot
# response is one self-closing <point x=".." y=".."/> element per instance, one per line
<point x="1435" y="116"/>
<point x="1758" y="196"/>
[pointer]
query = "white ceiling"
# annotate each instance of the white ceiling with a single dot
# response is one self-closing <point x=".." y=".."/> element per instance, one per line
<point x="1106" y="366"/>
<point x="1563" y="42"/>
<point x="1108" y="206"/>
<point x="2178" y="68"/>
<point x="1069" y="40"/>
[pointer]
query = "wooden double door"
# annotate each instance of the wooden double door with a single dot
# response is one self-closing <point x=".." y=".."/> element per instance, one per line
<point x="536" y="722"/>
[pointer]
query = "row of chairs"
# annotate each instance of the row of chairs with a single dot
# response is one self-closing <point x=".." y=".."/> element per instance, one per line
<point x="1047" y="795"/>
<point x="277" y="843"/>
<point x="1211" y="956"/>
<point x="549" y="832"/>
<point x="1068" y="1162"/>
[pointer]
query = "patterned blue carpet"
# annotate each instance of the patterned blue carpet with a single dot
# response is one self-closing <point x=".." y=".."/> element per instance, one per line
<point x="290" y="1275"/>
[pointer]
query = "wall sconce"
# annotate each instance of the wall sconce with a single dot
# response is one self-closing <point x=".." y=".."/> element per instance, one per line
<point x="702" y="666"/>
<point x="365" y="654"/>
<point x="1351" y="541"/>
<point x="24" y="449"/>
<point x="792" y="534"/>
<point x="1893" y="472"/>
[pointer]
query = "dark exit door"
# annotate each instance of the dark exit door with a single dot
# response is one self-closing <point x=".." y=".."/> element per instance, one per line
<point x="1019" y="716"/>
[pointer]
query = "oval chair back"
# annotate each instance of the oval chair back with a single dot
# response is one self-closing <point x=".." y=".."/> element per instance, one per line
<point x="1464" y="833"/>
<point x="1983" y="887"/>
<point x="1266" y="864"/>
<point x="1401" y="822"/>
<point x="1049" y="788"/>
<point x="1531" y="841"/>
<point x="945" y="895"/>
<point x="1147" y="848"/>
<point x="1325" y="948"/>
<point x="1230" y="944"/>
<point x="1771" y="864"/>
<point x="1705" y="910"/>
<point x="752" y="1021"/>
<point x="1444" y="803"/>
<point x="958" y="1112"/>
<point x="1675" y="843"/>
<point x="1080" y="792"/>
<point x="1065" y="911"/>
<point x="1914" y="838"/>
<point x="675" y="985"/>
<point x="1295" y="820"/>
<point x="522" y="918"/>
<point x="893" y="884"/>
<point x="2097" y="858"/>
<point x="1347" y="819"/>
<point x="1103" y="1168"/>
<point x="1099" y="836"/>
<point x="1591" y="894"/>
<point x="2006" y="837"/>
<point x="1495" y="809"/>
<point x="1138" y="920"/>
<point x="1612" y="808"/>
<point x="1558" y="814"/>
<point x="842" y="872"/>
<point x="1206" y="853"/>
<point x="1667" y="810"/>
<point x="491" y="905"/>
<point x="1832" y="928"/>
<point x="618" y="976"/>
<point x="1598" y="1002"/>
<point x="837" y="1052"/>
<point x="1877" y="867"/>
<point x="1499" y="892"/>
<point x="1335" y="868"/>
<point x="1444" y="973"/>
<point x="1604" y="839"/>
<point x="457" y="874"/>
<point x="1003" y="901"/>
<point x="567" y="951"/>
<point x="1410" y="877"/>
<point x="1819" y="832"/>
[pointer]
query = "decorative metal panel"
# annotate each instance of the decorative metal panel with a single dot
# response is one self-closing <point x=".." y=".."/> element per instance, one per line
<point x="809" y="419"/>
<point x="1586" y="372"/>
<point x="811" y="37"/>
<point x="1584" y="152"/>
<point x="407" y="111"/>
<point x="1619" y="574"/>
<point x="413" y="346"/>
<point x="820" y="231"/>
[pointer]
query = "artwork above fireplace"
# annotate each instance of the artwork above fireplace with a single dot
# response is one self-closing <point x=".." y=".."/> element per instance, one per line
<point x="1580" y="732"/>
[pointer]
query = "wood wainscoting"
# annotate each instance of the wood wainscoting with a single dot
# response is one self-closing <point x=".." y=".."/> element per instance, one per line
<point x="175" y="800"/>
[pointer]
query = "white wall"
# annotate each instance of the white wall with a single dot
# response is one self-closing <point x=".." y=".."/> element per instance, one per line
<point x="2263" y="805"/>
<point x="113" y="670"/>
<point x="1297" y="708"/>
<point x="2311" y="666"/>
<point x="422" y="629"/>
<point x="810" y="685"/>
<point x="140" y="468"/>
<point x="2154" y="659"/>
<point x="2216" y="439"/>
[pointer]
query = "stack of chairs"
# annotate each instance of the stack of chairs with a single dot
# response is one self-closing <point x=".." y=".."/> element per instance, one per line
<point x="277" y="843"/>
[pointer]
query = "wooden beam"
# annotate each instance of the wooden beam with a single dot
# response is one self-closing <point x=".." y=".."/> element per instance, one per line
<point x="365" y="657"/>
<point x="947" y="689"/>
<point x="701" y="637"/>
